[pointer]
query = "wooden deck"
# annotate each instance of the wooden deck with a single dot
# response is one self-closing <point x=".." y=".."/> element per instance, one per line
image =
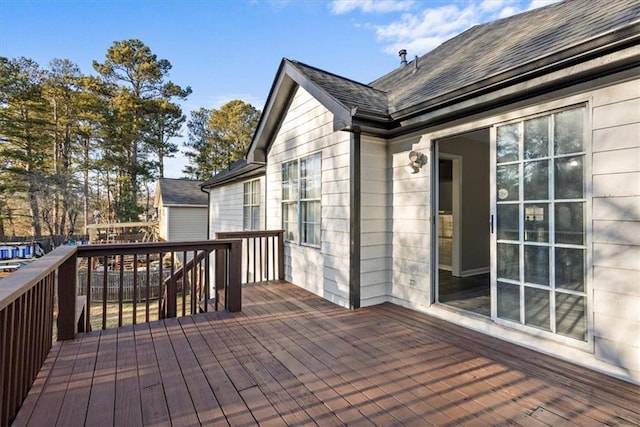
<point x="291" y="358"/>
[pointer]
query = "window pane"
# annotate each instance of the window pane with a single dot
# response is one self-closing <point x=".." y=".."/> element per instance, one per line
<point x="290" y="181"/>
<point x="536" y="264"/>
<point x="536" y="138"/>
<point x="571" y="319"/>
<point x="536" y="308"/>
<point x="536" y="222"/>
<point x="569" y="223"/>
<point x="247" y="193"/>
<point x="246" y="218"/>
<point x="290" y="221"/>
<point x="508" y="301"/>
<point x="507" y="180"/>
<point x="508" y="261"/>
<point x="569" y="133"/>
<point x="310" y="177"/>
<point x="570" y="269"/>
<point x="507" y="222"/>
<point x="311" y="222"/>
<point x="507" y="147"/>
<point x="536" y="180"/>
<point x="569" y="178"/>
<point x="255" y="217"/>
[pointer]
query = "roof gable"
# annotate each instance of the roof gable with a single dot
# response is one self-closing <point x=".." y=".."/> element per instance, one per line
<point x="181" y="192"/>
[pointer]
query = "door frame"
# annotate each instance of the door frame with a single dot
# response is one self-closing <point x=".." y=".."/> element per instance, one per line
<point x="456" y="209"/>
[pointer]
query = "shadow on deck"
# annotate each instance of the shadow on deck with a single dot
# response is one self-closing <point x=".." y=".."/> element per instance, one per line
<point x="292" y="358"/>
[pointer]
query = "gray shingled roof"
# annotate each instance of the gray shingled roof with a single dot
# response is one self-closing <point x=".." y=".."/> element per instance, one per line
<point x="347" y="92"/>
<point x="483" y="52"/>
<point x="490" y="49"/>
<point x="182" y="192"/>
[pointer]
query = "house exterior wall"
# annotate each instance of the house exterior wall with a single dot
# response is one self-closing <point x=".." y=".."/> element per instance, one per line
<point x="186" y="223"/>
<point x="307" y="129"/>
<point x="612" y="227"/>
<point x="375" y="239"/>
<point x="616" y="223"/>
<point x="226" y="205"/>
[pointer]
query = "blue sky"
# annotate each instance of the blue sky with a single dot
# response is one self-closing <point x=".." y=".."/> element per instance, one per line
<point x="230" y="50"/>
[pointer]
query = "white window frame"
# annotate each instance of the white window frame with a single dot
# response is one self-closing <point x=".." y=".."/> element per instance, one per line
<point x="294" y="197"/>
<point x="251" y="205"/>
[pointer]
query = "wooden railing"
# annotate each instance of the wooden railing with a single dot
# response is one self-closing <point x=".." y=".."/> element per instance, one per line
<point x="262" y="254"/>
<point x="146" y="280"/>
<point x="151" y="281"/>
<point x="27" y="299"/>
<point x="26" y="325"/>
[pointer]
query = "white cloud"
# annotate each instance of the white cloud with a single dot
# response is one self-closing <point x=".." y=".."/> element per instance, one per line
<point x="419" y="33"/>
<point x="493" y="5"/>
<point x="340" y="7"/>
<point x="540" y="3"/>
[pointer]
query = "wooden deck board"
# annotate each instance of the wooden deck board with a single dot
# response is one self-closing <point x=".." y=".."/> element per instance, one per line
<point x="293" y="358"/>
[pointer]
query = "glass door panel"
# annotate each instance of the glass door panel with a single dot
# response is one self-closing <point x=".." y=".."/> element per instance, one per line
<point x="539" y="194"/>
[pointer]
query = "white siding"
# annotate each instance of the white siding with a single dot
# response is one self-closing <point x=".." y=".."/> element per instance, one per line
<point x="163" y="222"/>
<point x="410" y="225"/>
<point x="616" y="224"/>
<point x="186" y="223"/>
<point x="375" y="237"/>
<point x="226" y="206"/>
<point x="306" y="129"/>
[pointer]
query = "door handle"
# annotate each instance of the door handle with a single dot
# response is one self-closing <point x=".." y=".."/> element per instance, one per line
<point x="491" y="224"/>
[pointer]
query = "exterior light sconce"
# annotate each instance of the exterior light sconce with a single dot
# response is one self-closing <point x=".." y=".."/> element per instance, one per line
<point x="417" y="161"/>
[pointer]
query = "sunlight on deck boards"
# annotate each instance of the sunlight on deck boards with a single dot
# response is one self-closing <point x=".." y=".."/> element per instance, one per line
<point x="291" y="358"/>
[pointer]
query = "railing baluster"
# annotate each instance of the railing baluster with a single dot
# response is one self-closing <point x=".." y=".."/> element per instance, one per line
<point x="147" y="275"/>
<point x="161" y="289"/>
<point x="87" y="315"/>
<point x="105" y="284"/>
<point x="185" y="275"/>
<point x="120" y="290"/>
<point x="135" y="288"/>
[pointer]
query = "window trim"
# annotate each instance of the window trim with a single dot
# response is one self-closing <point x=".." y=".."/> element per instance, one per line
<point x="253" y="184"/>
<point x="298" y="201"/>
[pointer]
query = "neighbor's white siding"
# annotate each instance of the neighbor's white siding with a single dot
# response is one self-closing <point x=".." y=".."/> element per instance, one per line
<point x="163" y="222"/>
<point x="375" y="240"/>
<point x="307" y="129"/>
<point x="226" y="207"/>
<point x="616" y="224"/>
<point x="186" y="223"/>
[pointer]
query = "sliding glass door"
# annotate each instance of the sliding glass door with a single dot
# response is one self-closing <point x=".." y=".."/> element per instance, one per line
<point x="539" y="247"/>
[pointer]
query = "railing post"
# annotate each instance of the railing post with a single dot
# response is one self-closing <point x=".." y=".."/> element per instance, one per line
<point x="221" y="278"/>
<point x="281" y="255"/>
<point x="234" y="291"/>
<point x="67" y="295"/>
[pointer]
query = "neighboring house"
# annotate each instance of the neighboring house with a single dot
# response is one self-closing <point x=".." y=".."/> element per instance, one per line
<point x="182" y="210"/>
<point x="493" y="182"/>
<point x="235" y="198"/>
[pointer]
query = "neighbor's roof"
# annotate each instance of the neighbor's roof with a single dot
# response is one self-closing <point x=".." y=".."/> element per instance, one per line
<point x="239" y="169"/>
<point x="181" y="192"/>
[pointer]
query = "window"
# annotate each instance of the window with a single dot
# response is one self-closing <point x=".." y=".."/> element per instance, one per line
<point x="251" y="205"/>
<point x="541" y="245"/>
<point x="301" y="192"/>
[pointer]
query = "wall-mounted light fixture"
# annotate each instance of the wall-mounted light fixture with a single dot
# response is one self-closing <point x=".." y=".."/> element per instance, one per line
<point x="417" y="160"/>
